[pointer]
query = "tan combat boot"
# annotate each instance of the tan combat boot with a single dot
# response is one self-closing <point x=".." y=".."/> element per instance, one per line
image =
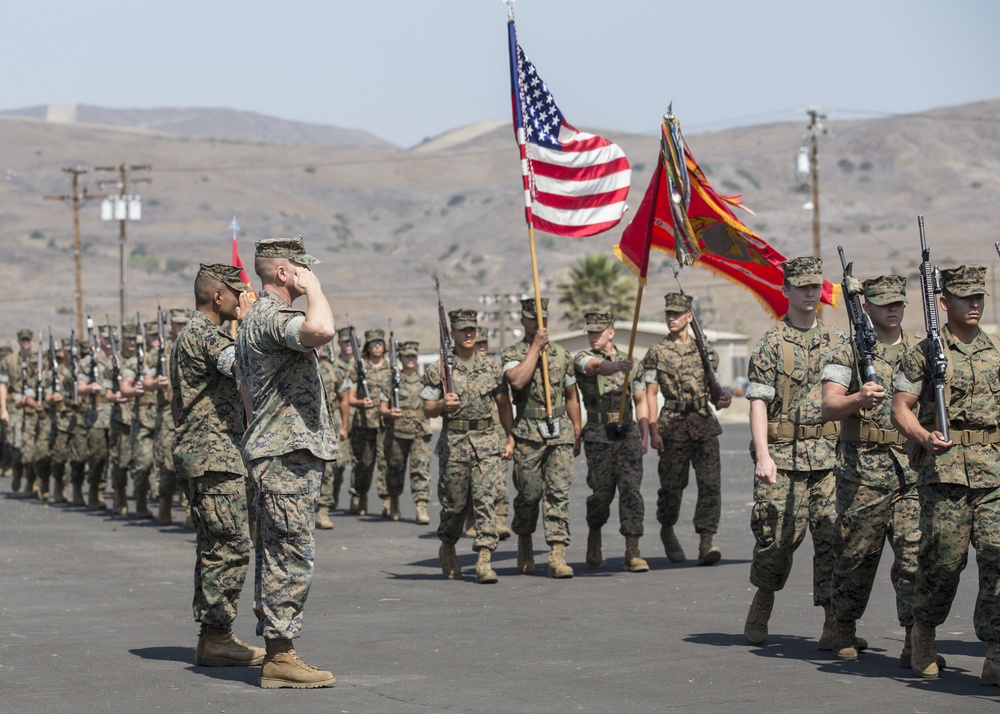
<point x="422" y="517"/>
<point x="484" y="571"/>
<point x="93" y="502"/>
<point x="386" y="507"/>
<point x="595" y="559"/>
<point x="923" y="658"/>
<point x="120" y="505"/>
<point x="503" y="532"/>
<point x="844" y="642"/>
<point x="755" y="629"/>
<point x="449" y="561"/>
<point x="219" y="647"/>
<point x="394" y="507"/>
<point x="363" y="504"/>
<point x="525" y="554"/>
<point x="164" y="514"/>
<point x="355" y="505"/>
<point x="78" y="494"/>
<point x="282" y="668"/>
<point x="671" y="545"/>
<point x="991" y="667"/>
<point x="708" y="554"/>
<point x="142" y="505"/>
<point x="904" y="656"/>
<point x="58" y="490"/>
<point x="557" y="562"/>
<point x="829" y="631"/>
<point x="634" y="563"/>
<point x="323" y="521"/>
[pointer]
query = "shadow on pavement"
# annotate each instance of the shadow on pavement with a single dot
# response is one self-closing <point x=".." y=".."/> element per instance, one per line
<point x="247" y="675"/>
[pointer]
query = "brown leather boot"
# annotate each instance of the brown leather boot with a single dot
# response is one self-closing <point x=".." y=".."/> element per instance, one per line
<point x="671" y="545"/>
<point x="525" y="555"/>
<point x="558" y="568"/>
<point x="449" y="561"/>
<point x="142" y="504"/>
<point x="283" y="669"/>
<point x="394" y="508"/>
<point x="595" y="559"/>
<point x="323" y="521"/>
<point x="755" y="628"/>
<point x="219" y="647"/>
<point x="634" y="563"/>
<point x="991" y="667"/>
<point x="904" y="656"/>
<point x="484" y="570"/>
<point x="844" y="643"/>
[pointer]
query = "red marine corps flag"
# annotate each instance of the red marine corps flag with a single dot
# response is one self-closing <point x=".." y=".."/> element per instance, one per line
<point x="681" y="214"/>
<point x="237" y="261"/>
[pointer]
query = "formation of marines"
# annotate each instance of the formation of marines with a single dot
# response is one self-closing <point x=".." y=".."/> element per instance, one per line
<point x="259" y="432"/>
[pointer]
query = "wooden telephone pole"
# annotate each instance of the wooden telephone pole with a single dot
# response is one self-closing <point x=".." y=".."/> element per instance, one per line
<point x="76" y="198"/>
<point x="124" y="171"/>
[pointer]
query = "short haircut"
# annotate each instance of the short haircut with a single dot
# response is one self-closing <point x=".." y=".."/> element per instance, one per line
<point x="204" y="289"/>
<point x="267" y="267"/>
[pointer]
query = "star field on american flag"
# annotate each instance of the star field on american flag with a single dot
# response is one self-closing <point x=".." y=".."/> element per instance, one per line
<point x="542" y="117"/>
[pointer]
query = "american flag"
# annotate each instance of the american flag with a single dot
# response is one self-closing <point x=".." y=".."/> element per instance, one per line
<point x="575" y="183"/>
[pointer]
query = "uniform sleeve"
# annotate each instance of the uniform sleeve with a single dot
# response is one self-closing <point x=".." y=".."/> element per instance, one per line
<point x="839" y="366"/>
<point x="292" y="331"/>
<point x="583" y="359"/>
<point x="909" y="377"/>
<point x="762" y="372"/>
<point x="431" y="380"/>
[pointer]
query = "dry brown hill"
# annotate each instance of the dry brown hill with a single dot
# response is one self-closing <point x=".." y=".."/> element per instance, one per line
<point x="384" y="220"/>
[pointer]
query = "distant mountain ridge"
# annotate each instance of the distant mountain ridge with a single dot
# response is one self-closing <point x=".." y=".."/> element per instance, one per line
<point x="206" y="122"/>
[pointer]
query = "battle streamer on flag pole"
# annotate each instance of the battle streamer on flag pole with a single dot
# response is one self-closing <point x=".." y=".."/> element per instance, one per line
<point x="237" y="261"/>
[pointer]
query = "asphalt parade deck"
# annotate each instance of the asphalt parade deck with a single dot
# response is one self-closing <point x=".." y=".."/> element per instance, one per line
<point x="96" y="617"/>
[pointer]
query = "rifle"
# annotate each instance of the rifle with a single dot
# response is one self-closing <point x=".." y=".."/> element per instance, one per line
<point x="38" y="375"/>
<point x="56" y="386"/>
<point x="161" y="330"/>
<point x="74" y="364"/>
<point x="446" y="350"/>
<point x="359" y="361"/>
<point x="393" y="356"/>
<point x="94" y="349"/>
<point x="715" y="390"/>
<point x="930" y="288"/>
<point x="861" y="322"/>
<point x="116" y="365"/>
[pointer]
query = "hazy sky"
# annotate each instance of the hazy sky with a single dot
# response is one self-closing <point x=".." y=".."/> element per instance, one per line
<point x="409" y="70"/>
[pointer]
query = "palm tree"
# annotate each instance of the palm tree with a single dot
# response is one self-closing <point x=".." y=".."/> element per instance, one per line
<point x="597" y="281"/>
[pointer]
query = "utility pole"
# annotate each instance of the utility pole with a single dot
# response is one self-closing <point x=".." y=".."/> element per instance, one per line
<point x="125" y="207"/>
<point x="814" y="129"/>
<point x="76" y="198"/>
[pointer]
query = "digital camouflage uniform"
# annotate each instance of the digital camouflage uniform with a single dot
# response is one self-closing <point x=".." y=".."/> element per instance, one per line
<point x="210" y="467"/>
<point x="97" y="419"/>
<point x="37" y="449"/>
<point x="543" y="468"/>
<point x="120" y="435"/>
<point x="469" y="449"/>
<point x="163" y="444"/>
<point x="785" y="371"/>
<point x="959" y="489"/>
<point x="690" y="433"/>
<point x="408" y="439"/>
<point x="67" y="431"/>
<point x="612" y="464"/>
<point x="876" y="488"/>
<point x="144" y="423"/>
<point x="367" y="438"/>
<point x="286" y="446"/>
<point x="328" y="373"/>
<point x="14" y="371"/>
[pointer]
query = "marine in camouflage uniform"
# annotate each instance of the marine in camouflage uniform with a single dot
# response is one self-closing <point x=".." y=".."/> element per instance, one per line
<point x="14" y="371"/>
<point x="147" y="419"/>
<point x="958" y="479"/>
<point x="793" y="450"/>
<point x="328" y="374"/>
<point x="67" y="430"/>
<point x="876" y="488"/>
<point x="163" y="454"/>
<point x="367" y="437"/>
<point x="286" y="446"/>
<point x="97" y="417"/>
<point x="686" y="432"/>
<point x="543" y="466"/>
<point x="210" y="423"/>
<point x="614" y="446"/>
<point x="336" y="374"/>
<point x="38" y="431"/>
<point x="123" y="411"/>
<point x="472" y="448"/>
<point x="407" y="437"/>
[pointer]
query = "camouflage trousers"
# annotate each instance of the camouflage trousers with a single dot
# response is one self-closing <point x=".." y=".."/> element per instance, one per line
<point x="143" y="441"/>
<point x="866" y="518"/>
<point x="163" y="457"/>
<point x="542" y="471"/>
<point x="367" y="445"/>
<point x="782" y="511"/>
<point x="475" y="485"/>
<point x="675" y="461"/>
<point x="286" y="489"/>
<point x="119" y="453"/>
<point x="951" y="517"/>
<point x="611" y="466"/>
<point x="222" y="544"/>
<point x="333" y="476"/>
<point x="97" y="457"/>
<point x="418" y="452"/>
